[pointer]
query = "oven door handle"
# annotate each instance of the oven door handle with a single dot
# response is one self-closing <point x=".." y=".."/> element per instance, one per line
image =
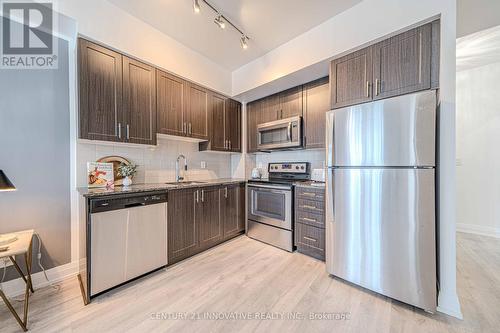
<point x="271" y="187"/>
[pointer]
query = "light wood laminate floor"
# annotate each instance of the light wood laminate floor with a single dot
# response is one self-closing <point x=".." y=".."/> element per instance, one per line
<point x="245" y="276"/>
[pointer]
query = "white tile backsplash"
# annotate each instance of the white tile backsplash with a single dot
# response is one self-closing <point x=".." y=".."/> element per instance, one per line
<point x="315" y="156"/>
<point x="156" y="164"/>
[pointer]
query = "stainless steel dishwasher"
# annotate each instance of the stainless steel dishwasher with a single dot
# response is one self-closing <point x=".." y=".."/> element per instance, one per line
<point x="128" y="238"/>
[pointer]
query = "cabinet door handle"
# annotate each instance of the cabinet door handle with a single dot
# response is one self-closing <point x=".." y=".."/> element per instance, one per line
<point x="225" y="192"/>
<point x="197" y="196"/>
<point x="119" y="130"/>
<point x="367" y="88"/>
<point x="202" y="196"/>
<point x="277" y="114"/>
<point x="230" y="145"/>
<point x="183" y="128"/>
<point x="189" y="128"/>
<point x="377" y="82"/>
<point x="310" y="239"/>
<point x="309" y="207"/>
<point x="309" y="194"/>
<point x="310" y="220"/>
<point x="128" y="132"/>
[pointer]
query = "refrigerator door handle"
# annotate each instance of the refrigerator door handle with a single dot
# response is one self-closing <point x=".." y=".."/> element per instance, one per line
<point x="329" y="193"/>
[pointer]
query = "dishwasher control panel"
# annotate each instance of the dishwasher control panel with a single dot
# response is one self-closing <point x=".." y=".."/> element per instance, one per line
<point x="129" y="201"/>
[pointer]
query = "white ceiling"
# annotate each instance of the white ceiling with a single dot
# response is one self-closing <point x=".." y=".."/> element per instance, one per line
<point x="269" y="23"/>
<point x="476" y="15"/>
<point x="478" y="49"/>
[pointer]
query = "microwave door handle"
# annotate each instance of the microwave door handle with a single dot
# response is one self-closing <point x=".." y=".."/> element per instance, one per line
<point x="289" y="134"/>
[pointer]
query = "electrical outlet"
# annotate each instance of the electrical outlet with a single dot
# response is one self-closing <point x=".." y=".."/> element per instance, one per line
<point x="6" y="262"/>
<point x="203" y="164"/>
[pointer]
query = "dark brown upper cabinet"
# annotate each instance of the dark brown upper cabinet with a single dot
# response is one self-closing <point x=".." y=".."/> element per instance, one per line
<point x="196" y="115"/>
<point x="218" y="124"/>
<point x="170" y="104"/>
<point x="351" y="78"/>
<point x="183" y="107"/>
<point x="286" y="104"/>
<point x="270" y="108"/>
<point x="291" y="103"/>
<point x="139" y="101"/>
<point x="224" y="125"/>
<point x="402" y="64"/>
<point x="254" y="112"/>
<point x="233" y="125"/>
<point x="317" y="103"/>
<point x="101" y="113"/>
<point x="117" y="96"/>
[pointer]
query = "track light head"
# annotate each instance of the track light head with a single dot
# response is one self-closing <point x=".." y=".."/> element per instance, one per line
<point x="220" y="22"/>
<point x="243" y="42"/>
<point x="196" y="6"/>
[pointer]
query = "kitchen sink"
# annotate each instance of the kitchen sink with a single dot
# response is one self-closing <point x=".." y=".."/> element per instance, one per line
<point x="185" y="183"/>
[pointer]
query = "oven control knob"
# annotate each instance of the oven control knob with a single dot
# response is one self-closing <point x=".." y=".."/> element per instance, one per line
<point x="297" y="167"/>
<point x="302" y="167"/>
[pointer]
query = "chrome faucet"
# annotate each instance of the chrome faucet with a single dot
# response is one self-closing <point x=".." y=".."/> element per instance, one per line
<point x="178" y="177"/>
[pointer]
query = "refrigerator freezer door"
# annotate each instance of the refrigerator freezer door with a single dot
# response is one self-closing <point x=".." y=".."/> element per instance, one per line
<point x="398" y="131"/>
<point x="382" y="233"/>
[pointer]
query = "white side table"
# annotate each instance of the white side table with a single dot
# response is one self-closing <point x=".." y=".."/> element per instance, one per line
<point x="22" y="246"/>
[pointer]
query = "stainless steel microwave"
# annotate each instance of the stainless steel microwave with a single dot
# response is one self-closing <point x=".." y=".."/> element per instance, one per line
<point x="280" y="134"/>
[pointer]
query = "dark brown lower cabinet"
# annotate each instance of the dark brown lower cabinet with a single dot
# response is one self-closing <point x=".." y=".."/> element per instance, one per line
<point x="310" y="221"/>
<point x="310" y="240"/>
<point x="208" y="217"/>
<point x="182" y="231"/>
<point x="233" y="209"/>
<point x="200" y="218"/>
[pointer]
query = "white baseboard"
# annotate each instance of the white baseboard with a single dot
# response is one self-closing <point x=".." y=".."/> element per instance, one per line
<point x="478" y="230"/>
<point x="448" y="303"/>
<point x="17" y="287"/>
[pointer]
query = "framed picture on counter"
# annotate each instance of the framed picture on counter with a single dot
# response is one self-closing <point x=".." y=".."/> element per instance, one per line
<point x="100" y="174"/>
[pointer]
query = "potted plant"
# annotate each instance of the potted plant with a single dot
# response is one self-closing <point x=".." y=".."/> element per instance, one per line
<point x="127" y="171"/>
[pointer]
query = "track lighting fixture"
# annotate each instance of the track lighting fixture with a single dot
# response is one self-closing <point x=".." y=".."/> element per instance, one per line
<point x="196" y="6"/>
<point x="243" y="42"/>
<point x="220" y="22"/>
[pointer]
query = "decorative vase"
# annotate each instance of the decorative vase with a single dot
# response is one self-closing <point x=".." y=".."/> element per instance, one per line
<point x="127" y="181"/>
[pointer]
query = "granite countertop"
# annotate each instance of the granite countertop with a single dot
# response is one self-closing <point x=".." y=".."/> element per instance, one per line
<point x="97" y="192"/>
<point x="311" y="184"/>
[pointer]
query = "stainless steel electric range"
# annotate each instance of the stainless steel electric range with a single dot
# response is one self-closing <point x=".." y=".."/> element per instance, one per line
<point x="270" y="203"/>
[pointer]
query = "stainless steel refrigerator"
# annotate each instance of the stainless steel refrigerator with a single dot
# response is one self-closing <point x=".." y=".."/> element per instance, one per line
<point x="381" y="215"/>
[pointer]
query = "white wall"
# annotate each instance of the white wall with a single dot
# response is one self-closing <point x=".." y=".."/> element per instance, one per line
<point x="478" y="160"/>
<point x="102" y="21"/>
<point x="371" y="20"/>
<point x="476" y="15"/>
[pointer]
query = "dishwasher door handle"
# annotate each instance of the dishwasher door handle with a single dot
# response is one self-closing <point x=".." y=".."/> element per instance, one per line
<point x="137" y="204"/>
